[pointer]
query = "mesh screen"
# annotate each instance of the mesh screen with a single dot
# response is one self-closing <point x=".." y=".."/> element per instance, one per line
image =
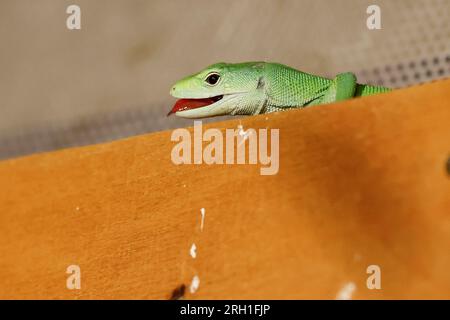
<point x="412" y="47"/>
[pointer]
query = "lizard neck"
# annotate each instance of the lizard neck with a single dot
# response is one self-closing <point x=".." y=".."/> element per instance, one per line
<point x="286" y="87"/>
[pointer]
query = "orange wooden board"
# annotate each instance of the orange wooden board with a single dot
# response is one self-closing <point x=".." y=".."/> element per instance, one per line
<point x="360" y="183"/>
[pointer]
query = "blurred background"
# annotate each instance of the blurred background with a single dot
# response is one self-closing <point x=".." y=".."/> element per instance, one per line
<point x="111" y="79"/>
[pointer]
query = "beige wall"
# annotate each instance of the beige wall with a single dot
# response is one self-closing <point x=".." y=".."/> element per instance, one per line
<point x="128" y="53"/>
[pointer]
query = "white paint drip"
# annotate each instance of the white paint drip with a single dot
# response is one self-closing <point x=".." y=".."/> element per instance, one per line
<point x="202" y="211"/>
<point x="194" y="284"/>
<point x="193" y="251"/>
<point x="346" y="292"/>
<point x="243" y="133"/>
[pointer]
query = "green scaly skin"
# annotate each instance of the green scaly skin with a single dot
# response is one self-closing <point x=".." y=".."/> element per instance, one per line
<point x="252" y="88"/>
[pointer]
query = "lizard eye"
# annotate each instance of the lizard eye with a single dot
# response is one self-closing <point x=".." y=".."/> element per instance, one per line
<point x="212" y="78"/>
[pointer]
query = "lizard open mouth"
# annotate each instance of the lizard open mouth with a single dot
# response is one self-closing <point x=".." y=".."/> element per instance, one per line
<point x="189" y="104"/>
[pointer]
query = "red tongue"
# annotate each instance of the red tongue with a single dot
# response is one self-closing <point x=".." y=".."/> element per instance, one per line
<point x="188" y="104"/>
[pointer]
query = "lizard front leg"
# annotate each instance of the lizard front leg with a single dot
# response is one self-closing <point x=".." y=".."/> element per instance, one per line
<point x="342" y="87"/>
<point x="345" y="84"/>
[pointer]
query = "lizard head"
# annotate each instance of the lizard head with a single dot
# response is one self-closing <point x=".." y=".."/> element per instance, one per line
<point x="217" y="90"/>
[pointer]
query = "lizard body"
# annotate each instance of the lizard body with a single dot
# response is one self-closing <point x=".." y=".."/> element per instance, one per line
<point x="252" y="88"/>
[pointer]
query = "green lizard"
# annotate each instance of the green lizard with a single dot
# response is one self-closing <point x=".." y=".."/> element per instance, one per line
<point x="252" y="88"/>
